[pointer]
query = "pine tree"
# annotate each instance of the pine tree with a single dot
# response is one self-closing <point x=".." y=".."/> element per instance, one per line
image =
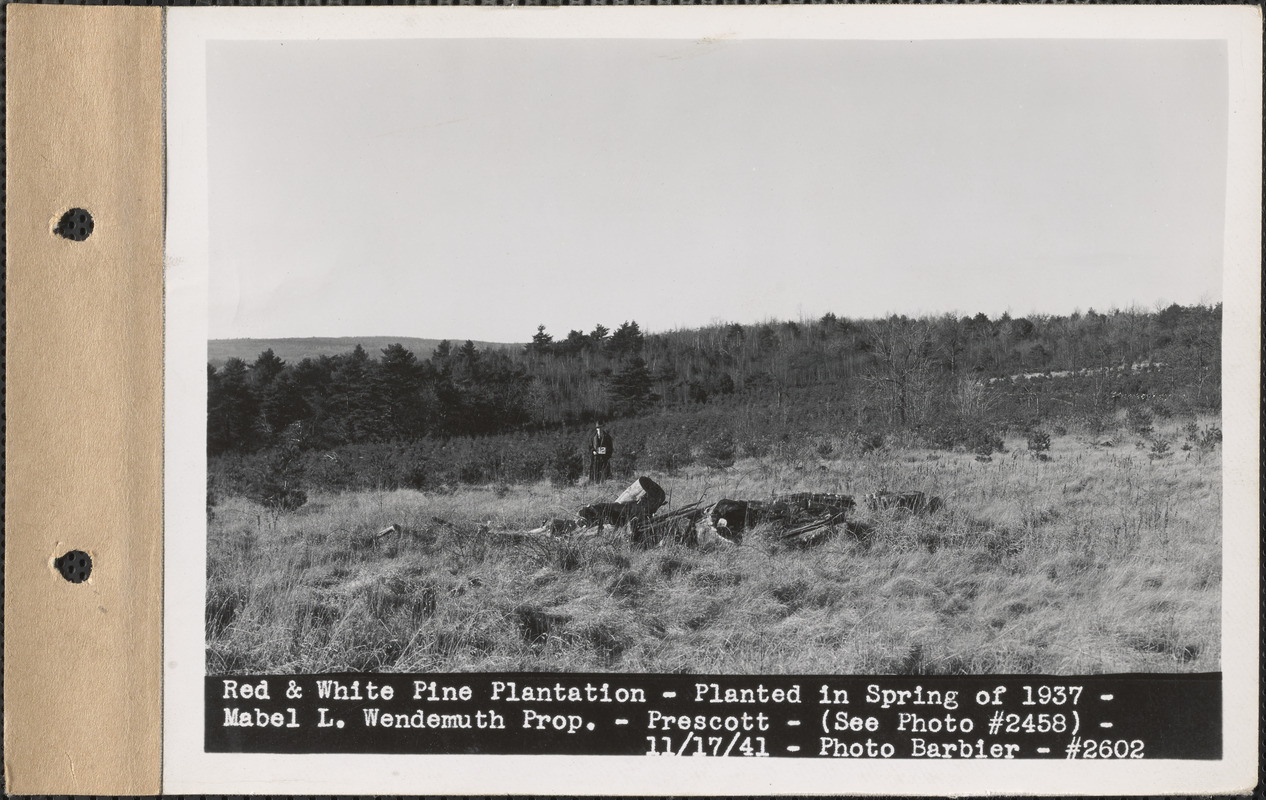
<point x="354" y="399"/>
<point x="541" y="343"/>
<point x="575" y="342"/>
<point x="275" y="483"/>
<point x="314" y="380"/>
<point x="630" y="388"/>
<point x="626" y="341"/>
<point x="232" y="409"/>
<point x="400" y="384"/>
<point x="443" y="353"/>
<point x="468" y="358"/>
<point x="266" y="369"/>
<point x="282" y="402"/>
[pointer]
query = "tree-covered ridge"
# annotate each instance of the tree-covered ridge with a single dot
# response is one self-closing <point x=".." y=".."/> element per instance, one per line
<point x="292" y="350"/>
<point x="938" y="375"/>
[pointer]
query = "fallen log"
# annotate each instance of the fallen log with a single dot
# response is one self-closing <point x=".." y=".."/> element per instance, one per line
<point x="822" y="522"/>
<point x="678" y="528"/>
<point x="558" y="526"/>
<point x="683" y="511"/>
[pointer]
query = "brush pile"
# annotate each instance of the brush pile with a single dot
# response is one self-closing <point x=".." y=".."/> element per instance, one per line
<point x="800" y="519"/>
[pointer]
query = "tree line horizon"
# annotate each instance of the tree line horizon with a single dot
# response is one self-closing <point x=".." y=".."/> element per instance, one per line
<point x="891" y="373"/>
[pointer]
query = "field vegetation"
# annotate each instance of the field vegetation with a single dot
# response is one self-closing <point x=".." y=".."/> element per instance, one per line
<point x="1078" y="458"/>
<point x="1074" y="547"/>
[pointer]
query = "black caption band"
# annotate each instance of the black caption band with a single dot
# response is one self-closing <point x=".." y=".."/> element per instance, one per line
<point x="1108" y="717"/>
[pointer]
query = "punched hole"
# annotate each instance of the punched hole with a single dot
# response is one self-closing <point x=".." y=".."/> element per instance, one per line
<point x="75" y="225"/>
<point x="75" y="566"/>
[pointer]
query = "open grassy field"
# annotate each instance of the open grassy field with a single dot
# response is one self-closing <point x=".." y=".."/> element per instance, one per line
<point x="1100" y="559"/>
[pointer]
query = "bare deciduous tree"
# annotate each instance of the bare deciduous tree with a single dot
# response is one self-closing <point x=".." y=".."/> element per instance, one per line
<point x="901" y="349"/>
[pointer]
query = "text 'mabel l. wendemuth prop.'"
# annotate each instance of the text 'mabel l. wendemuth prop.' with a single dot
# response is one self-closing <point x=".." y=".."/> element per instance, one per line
<point x="1110" y="717"/>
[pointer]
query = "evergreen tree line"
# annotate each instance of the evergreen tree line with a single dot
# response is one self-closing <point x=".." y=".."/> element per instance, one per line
<point x="947" y="378"/>
<point x="347" y="399"/>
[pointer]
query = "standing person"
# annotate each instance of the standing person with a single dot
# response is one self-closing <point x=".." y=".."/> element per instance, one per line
<point x="601" y="448"/>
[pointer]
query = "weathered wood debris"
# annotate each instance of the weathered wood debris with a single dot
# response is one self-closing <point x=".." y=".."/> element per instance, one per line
<point x="798" y="519"/>
<point x="677" y="526"/>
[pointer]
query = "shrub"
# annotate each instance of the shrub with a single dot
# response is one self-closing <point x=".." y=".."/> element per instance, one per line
<point x="870" y="442"/>
<point x="971" y="435"/>
<point x="1192" y="432"/>
<point x="232" y="474"/>
<point x="527" y="461"/>
<point x="668" y="453"/>
<point x="1210" y="437"/>
<point x="472" y="471"/>
<point x="754" y="448"/>
<point x="1097" y="424"/>
<point x="1139" y="420"/>
<point x="378" y="471"/>
<point x="275" y="485"/>
<point x="566" y="464"/>
<point x="718" y="452"/>
<point x="1039" y="441"/>
<point x="628" y="455"/>
<point x="415" y="475"/>
<point x="1204" y="440"/>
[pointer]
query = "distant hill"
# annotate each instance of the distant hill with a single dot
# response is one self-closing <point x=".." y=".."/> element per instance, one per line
<point x="293" y="351"/>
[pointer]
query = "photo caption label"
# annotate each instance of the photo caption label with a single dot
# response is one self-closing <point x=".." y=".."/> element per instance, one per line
<point x="882" y="717"/>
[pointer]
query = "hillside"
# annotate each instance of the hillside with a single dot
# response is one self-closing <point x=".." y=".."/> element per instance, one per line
<point x="946" y="381"/>
<point x="374" y="511"/>
<point x="295" y="350"/>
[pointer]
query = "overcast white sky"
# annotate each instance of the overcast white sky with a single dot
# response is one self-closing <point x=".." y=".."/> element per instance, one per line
<point x="477" y="188"/>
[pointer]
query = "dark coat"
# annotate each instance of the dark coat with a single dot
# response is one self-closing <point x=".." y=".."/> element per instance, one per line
<point x="599" y="441"/>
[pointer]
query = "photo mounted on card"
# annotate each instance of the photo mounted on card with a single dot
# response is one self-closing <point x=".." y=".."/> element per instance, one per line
<point x="717" y="400"/>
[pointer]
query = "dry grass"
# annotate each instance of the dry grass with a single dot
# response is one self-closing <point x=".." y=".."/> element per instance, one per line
<point x="1096" y="560"/>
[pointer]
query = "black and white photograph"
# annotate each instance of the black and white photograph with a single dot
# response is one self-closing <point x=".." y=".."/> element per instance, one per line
<point x="668" y="357"/>
<point x="721" y="354"/>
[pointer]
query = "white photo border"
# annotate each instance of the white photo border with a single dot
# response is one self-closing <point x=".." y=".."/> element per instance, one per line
<point x="187" y="769"/>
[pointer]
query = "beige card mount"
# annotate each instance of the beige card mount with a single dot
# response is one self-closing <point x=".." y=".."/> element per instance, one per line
<point x="83" y="445"/>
